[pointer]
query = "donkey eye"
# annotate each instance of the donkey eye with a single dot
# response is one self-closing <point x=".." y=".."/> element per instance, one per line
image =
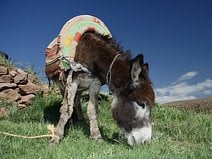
<point x="142" y="104"/>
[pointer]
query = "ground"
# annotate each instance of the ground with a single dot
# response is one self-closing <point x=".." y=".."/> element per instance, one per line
<point x="196" y="105"/>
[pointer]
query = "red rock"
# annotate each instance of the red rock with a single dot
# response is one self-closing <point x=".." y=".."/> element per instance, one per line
<point x="10" y="95"/>
<point x="22" y="106"/>
<point x="26" y="100"/>
<point x="5" y="79"/>
<point x="29" y="88"/>
<point x="3" y="70"/>
<point x="4" y="86"/>
<point x="13" y="73"/>
<point x="20" y="71"/>
<point x="20" y="78"/>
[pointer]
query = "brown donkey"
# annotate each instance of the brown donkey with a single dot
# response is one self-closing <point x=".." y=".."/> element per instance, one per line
<point x="127" y="79"/>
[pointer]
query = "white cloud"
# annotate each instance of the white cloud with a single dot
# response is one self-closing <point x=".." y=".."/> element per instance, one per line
<point x="166" y="99"/>
<point x="187" y="76"/>
<point x="183" y="90"/>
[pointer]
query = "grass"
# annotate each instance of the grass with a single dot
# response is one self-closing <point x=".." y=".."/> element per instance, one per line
<point x="6" y="62"/>
<point x="176" y="134"/>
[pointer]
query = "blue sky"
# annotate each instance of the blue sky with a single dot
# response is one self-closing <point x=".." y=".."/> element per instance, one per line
<point x="175" y="36"/>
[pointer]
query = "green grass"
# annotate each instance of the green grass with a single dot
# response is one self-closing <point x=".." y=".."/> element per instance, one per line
<point x="176" y="134"/>
<point x="6" y="62"/>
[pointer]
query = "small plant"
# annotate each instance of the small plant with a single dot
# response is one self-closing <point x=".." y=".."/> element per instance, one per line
<point x="29" y="68"/>
<point x="3" y="60"/>
<point x="6" y="62"/>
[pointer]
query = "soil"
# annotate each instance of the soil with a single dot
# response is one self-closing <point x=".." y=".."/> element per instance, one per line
<point x="196" y="105"/>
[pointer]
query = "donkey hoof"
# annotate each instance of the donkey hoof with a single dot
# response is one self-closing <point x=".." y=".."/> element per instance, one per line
<point x="54" y="140"/>
<point x="97" y="138"/>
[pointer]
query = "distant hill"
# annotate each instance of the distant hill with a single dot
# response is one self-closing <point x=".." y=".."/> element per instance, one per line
<point x="197" y="105"/>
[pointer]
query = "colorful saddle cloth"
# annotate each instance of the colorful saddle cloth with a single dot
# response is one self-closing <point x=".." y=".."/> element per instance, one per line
<point x="61" y="51"/>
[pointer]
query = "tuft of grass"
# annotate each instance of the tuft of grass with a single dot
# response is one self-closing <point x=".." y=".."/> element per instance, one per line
<point x="176" y="134"/>
<point x="6" y="62"/>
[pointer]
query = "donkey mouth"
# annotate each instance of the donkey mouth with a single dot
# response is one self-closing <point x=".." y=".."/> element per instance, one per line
<point x="139" y="135"/>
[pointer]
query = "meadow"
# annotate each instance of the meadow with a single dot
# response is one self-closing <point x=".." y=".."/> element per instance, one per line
<point x="176" y="134"/>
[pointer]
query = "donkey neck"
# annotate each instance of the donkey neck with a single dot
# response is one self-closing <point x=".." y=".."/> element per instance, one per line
<point x="108" y="75"/>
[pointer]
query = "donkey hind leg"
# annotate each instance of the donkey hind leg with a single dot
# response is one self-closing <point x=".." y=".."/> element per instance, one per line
<point x="78" y="107"/>
<point x="92" y="111"/>
<point x="66" y="109"/>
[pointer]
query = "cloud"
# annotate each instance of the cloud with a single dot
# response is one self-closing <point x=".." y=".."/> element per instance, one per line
<point x="183" y="90"/>
<point x="187" y="76"/>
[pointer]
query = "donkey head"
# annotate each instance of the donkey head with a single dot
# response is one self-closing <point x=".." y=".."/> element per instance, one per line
<point x="131" y="108"/>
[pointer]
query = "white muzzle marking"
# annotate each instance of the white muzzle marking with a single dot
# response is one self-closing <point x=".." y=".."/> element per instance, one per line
<point x="139" y="135"/>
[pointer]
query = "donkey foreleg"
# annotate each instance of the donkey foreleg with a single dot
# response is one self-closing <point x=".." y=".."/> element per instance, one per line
<point x="92" y="111"/>
<point x="66" y="109"/>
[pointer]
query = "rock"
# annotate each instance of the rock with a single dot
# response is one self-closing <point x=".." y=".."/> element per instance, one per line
<point x="17" y="86"/>
<point x="17" y="90"/>
<point x="13" y="73"/>
<point x="29" y="88"/>
<point x="20" y="71"/>
<point x="26" y="100"/>
<point x="3" y="70"/>
<point x="21" y="78"/>
<point x="4" y="86"/>
<point x="3" y="112"/>
<point x="2" y="96"/>
<point x="10" y="95"/>
<point x="22" y="106"/>
<point x="5" y="79"/>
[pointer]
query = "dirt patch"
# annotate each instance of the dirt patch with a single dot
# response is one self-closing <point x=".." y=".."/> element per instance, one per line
<point x="196" y="105"/>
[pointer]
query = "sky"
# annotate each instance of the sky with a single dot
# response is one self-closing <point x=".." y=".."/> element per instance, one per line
<point x="175" y="37"/>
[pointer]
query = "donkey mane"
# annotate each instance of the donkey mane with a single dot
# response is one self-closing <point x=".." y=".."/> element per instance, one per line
<point x="107" y="41"/>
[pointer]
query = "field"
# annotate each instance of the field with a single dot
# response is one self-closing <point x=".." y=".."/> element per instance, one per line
<point x="177" y="134"/>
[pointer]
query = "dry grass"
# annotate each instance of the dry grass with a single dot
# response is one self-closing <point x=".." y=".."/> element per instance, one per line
<point x="196" y="105"/>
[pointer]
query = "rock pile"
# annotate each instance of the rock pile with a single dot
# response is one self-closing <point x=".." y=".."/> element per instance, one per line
<point x="17" y="86"/>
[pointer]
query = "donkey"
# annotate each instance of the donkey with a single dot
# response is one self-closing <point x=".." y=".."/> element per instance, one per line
<point x="127" y="79"/>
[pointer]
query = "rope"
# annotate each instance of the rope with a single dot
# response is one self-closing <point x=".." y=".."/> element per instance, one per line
<point x="50" y="134"/>
<point x="108" y="76"/>
<point x="26" y="137"/>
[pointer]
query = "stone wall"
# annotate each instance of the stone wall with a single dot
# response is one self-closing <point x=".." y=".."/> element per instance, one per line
<point x="17" y="86"/>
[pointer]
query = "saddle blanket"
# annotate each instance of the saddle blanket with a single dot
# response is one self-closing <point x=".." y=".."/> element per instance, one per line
<point x="61" y="51"/>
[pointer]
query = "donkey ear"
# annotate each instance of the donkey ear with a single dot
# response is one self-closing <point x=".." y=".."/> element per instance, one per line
<point x="136" y="69"/>
<point x="145" y="71"/>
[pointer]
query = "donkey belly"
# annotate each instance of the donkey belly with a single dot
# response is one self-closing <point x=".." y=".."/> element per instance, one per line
<point x="85" y="81"/>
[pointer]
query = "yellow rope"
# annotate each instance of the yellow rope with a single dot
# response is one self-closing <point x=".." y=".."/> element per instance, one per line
<point x="50" y="134"/>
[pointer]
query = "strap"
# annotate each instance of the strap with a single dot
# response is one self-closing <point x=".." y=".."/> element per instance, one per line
<point x="108" y="76"/>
